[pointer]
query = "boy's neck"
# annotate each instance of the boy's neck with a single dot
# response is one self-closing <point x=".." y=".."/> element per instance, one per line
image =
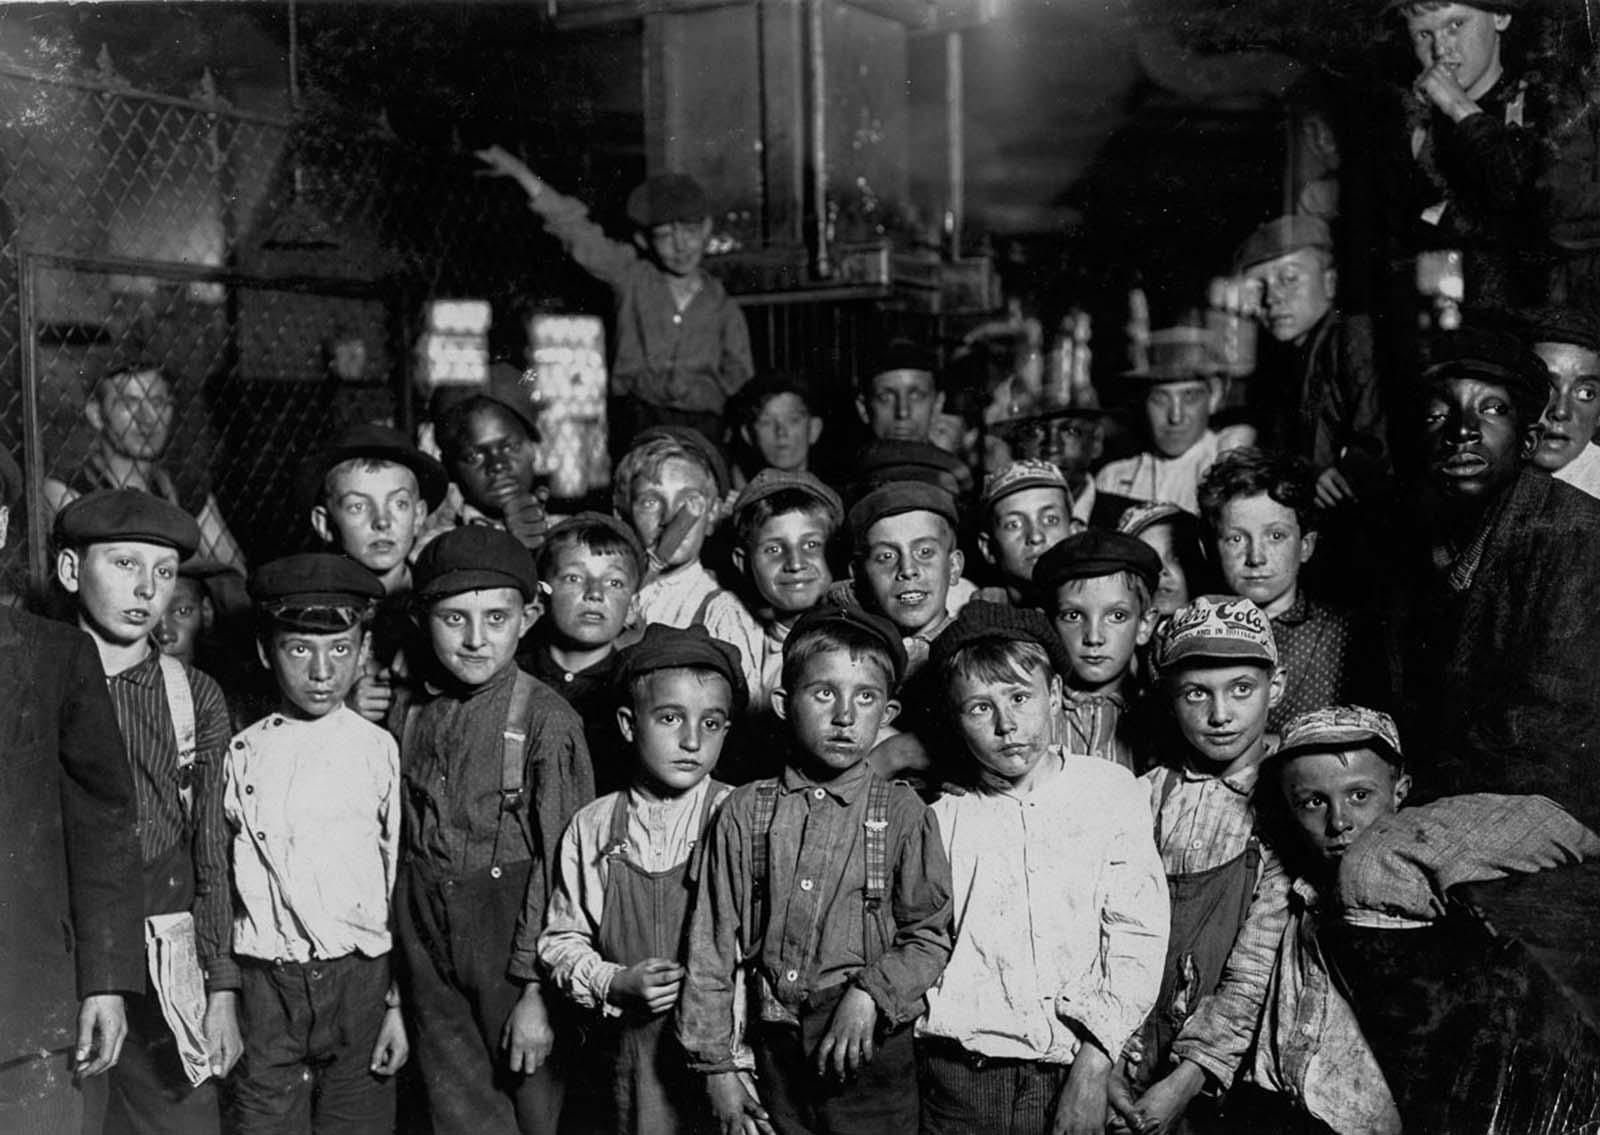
<point x="397" y="580"/>
<point x="820" y="772"/>
<point x="1284" y="603"/>
<point x="115" y="657"/>
<point x="1251" y="758"/>
<point x="652" y="789"/>
<point x="576" y="659"/>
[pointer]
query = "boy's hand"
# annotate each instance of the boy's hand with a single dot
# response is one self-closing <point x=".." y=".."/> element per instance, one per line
<point x="1333" y="489"/>
<point x="1125" y="1114"/>
<point x="503" y="163"/>
<point x="527" y="1036"/>
<point x="224" y="1044"/>
<point x="373" y="695"/>
<point x="524" y="516"/>
<point x="102" y="1027"/>
<point x="1164" y="1104"/>
<point x="390" y="1050"/>
<point x="650" y="986"/>
<point x="735" y="1107"/>
<point x="1438" y="85"/>
<point x="847" y="1045"/>
<point x="1081" y="1106"/>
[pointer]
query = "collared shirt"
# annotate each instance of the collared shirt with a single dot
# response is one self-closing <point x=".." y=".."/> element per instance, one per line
<point x="1149" y="476"/>
<point x="817" y="933"/>
<point x="1091" y="725"/>
<point x="1061" y="914"/>
<point x="1327" y="659"/>
<point x="689" y="595"/>
<point x="1083" y="502"/>
<point x="315" y="811"/>
<point x="661" y="835"/>
<point x="139" y="696"/>
<point x="1202" y="820"/>
<point x="691" y="358"/>
<point x="1583" y="471"/>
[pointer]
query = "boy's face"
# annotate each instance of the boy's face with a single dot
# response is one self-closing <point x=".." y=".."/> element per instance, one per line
<point x="1079" y="442"/>
<point x="1472" y="439"/>
<point x="787" y="561"/>
<point x="589" y="595"/>
<point x="496" y="459"/>
<point x="134" y="413"/>
<point x="900" y="405"/>
<point x="475" y="634"/>
<point x="1222" y="710"/>
<point x="1009" y="724"/>
<point x="1466" y="40"/>
<point x="187" y="615"/>
<point x="678" y="721"/>
<point x="122" y="588"/>
<point x="315" y="670"/>
<point x="1100" y="624"/>
<point x="372" y="515"/>
<point x="680" y="246"/>
<point x="1261" y="548"/>
<point x="836" y="709"/>
<point x="1023" y="526"/>
<point x="910" y="563"/>
<point x="1179" y="413"/>
<point x="1334" y="797"/>
<point x="1573" y="411"/>
<point x="1297" y="291"/>
<point x="1172" y="589"/>
<point x="784" y="432"/>
<point x="678" y="485"/>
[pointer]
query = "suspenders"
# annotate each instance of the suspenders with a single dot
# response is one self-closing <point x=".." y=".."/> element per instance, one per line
<point x="180" y="702"/>
<point x="875" y="841"/>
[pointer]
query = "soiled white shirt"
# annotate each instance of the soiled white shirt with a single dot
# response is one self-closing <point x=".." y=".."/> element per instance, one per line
<point x="1583" y="471"/>
<point x="1149" y="476"/>
<point x="691" y="594"/>
<point x="1204" y="820"/>
<point x="314" y="811"/>
<point x="661" y="835"/>
<point x="1061" y="914"/>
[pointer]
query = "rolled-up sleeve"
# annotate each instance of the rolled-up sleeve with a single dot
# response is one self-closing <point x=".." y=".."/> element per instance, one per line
<point x="921" y="904"/>
<point x="568" y="955"/>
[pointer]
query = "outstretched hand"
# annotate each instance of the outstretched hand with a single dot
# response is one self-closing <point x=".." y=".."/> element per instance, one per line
<point x="503" y="163"/>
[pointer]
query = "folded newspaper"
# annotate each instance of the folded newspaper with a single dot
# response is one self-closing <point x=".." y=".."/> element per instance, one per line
<point x="175" y="975"/>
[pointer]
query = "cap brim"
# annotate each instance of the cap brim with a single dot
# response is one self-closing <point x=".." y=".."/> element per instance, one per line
<point x="473" y="579"/>
<point x="1329" y="740"/>
<point x="1024" y="483"/>
<point x="1218" y="650"/>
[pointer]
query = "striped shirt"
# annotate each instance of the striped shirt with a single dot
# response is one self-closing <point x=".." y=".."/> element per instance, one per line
<point x="1202" y="821"/>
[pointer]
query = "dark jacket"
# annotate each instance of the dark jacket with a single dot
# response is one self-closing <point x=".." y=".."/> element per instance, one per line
<point x="1507" y="694"/>
<point x="70" y="884"/>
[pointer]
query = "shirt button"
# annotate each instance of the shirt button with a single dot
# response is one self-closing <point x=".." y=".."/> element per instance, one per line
<point x="495" y="872"/>
<point x="805" y="884"/>
<point x="249" y="790"/>
<point x="818" y="793"/>
<point x="1195" y="846"/>
<point x="566" y="677"/>
<point x="677" y="319"/>
<point x="792" y="975"/>
<point x="238" y="744"/>
<point x="261" y="835"/>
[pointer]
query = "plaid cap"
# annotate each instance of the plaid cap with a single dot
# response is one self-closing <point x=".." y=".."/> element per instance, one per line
<point x="126" y="514"/>
<point x="1336" y="727"/>
<point x="1220" y="628"/>
<point x="683" y="648"/>
<point x="770" y="482"/>
<point x="1019" y="475"/>
<point x="1142" y="517"/>
<point x="1281" y="236"/>
<point x="983" y="621"/>
<point x="829" y="614"/>
<point x="667" y="199"/>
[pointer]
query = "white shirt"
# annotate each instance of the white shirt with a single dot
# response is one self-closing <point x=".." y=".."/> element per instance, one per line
<point x="1149" y="476"/>
<point x="1583" y="471"/>
<point x="1061" y="914"/>
<point x="314" y="808"/>
<point x="688" y="595"/>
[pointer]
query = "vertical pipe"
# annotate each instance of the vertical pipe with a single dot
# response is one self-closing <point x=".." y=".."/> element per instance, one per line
<point x="955" y="155"/>
<point x="816" y="90"/>
<point x="32" y="438"/>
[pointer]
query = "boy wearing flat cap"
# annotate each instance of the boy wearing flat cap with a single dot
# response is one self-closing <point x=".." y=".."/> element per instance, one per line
<point x="682" y="345"/>
<point x="311" y="805"/>
<point x="1098" y="588"/>
<point x="906" y="559"/>
<point x="1026" y="511"/>
<point x="828" y="886"/>
<point x="1218" y="671"/>
<point x="118" y="552"/>
<point x="1052" y="969"/>
<point x="1567" y="341"/>
<point x="495" y="766"/>
<point x="614" y="932"/>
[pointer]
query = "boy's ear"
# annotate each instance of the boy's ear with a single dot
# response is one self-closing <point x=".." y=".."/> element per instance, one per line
<point x="938" y="402"/>
<point x="739" y="559"/>
<point x="93" y="414"/>
<point x="1330" y="282"/>
<point x="1530" y="442"/>
<point x="5" y="523"/>
<point x="780" y="703"/>
<point x="625" y="722"/>
<point x="531" y="610"/>
<point x="68" y="565"/>
<point x="641" y="242"/>
<point x="891" y="710"/>
<point x="1276" y="685"/>
<point x="1502" y="21"/>
<point x="364" y="652"/>
<point x="1402" y="789"/>
<point x="1147" y="625"/>
<point x="322" y="524"/>
<point x="958" y="564"/>
<point x="1308" y="547"/>
<point x="861" y="411"/>
<point x="813" y="430"/>
<point x="986" y="548"/>
<point x="208" y="613"/>
<point x="261" y="653"/>
<point x="1056" y="694"/>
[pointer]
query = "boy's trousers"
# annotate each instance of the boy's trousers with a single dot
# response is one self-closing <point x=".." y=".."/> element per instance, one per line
<point x="881" y="1100"/>
<point x="455" y="937"/>
<point x="964" y="1092"/>
<point x="309" y="1031"/>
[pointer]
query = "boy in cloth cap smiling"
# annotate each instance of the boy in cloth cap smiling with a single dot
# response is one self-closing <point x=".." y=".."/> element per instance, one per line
<point x="495" y="767"/>
<point x="118" y="555"/>
<point x="682" y="346"/>
<point x="312" y="808"/>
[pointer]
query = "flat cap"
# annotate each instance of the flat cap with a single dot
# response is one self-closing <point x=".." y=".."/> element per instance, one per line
<point x="1281" y="236"/>
<point x="506" y="386"/>
<point x="1576" y="326"/>
<point x="694" y="441"/>
<point x="883" y="461"/>
<point x="1142" y="517"/>
<point x="683" y="648"/>
<point x="899" y="497"/>
<point x="314" y="579"/>
<point x="666" y="199"/>
<point x="902" y="354"/>
<point x="380" y="443"/>
<point x="1093" y="553"/>
<point x="1025" y="474"/>
<point x="126" y="514"/>
<point x="1220" y="628"/>
<point x="770" y="482"/>
<point x="852" y="619"/>
<point x="474" y="557"/>
<point x="983" y="621"/>
<point x="1337" y="727"/>
<point x="1478" y="352"/>
<point x="591" y="520"/>
<point x="10" y="479"/>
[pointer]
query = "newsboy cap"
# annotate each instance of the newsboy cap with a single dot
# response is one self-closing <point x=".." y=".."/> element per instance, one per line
<point x="473" y="557"/>
<point x="1096" y="552"/>
<point x="1281" y="236"/>
<point x="667" y="199"/>
<point x="686" y="648"/>
<point x="314" y="579"/>
<point x="126" y="514"/>
<point x="895" y="498"/>
<point x="983" y="621"/>
<point x="770" y="482"/>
